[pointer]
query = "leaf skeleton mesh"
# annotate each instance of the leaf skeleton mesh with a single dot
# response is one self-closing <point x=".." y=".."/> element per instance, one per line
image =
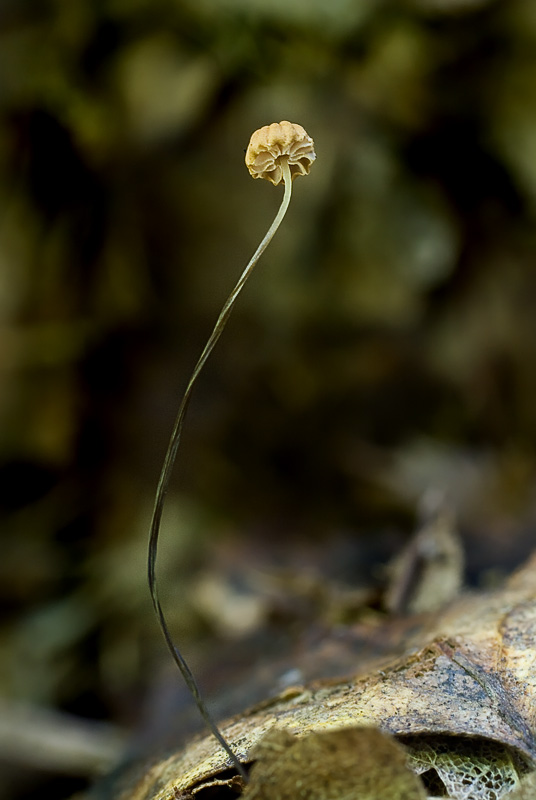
<point x="470" y="769"/>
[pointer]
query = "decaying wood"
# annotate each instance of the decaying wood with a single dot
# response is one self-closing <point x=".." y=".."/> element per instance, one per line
<point x="469" y="671"/>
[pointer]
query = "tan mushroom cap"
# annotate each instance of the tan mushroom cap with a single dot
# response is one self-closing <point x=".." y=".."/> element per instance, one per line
<point x="270" y="145"/>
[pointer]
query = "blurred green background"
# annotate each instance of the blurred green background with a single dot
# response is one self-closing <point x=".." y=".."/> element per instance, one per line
<point x="385" y="346"/>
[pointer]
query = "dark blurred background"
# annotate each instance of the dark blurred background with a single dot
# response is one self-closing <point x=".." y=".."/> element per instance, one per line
<point x="386" y="345"/>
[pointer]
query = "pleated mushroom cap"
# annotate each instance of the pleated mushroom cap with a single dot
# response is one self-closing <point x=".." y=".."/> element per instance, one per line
<point x="279" y="141"/>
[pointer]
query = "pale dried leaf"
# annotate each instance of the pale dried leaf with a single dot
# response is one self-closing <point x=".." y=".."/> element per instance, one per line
<point x="479" y="769"/>
<point x="347" y="764"/>
<point x="428" y="573"/>
<point x="526" y="789"/>
<point x="469" y="672"/>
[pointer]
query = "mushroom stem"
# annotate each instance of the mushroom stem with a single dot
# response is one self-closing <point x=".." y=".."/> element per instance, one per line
<point x="169" y="462"/>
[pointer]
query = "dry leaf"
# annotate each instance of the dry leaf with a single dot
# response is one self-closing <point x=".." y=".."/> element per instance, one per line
<point x="469" y="673"/>
<point x="428" y="573"/>
<point x="526" y="789"/>
<point x="346" y="764"/>
<point x="465" y="768"/>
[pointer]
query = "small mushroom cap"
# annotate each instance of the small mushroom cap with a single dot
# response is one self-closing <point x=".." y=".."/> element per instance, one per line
<point x="270" y="145"/>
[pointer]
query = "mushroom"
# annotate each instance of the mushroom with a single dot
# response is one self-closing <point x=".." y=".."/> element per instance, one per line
<point x="277" y="152"/>
<point x="278" y="145"/>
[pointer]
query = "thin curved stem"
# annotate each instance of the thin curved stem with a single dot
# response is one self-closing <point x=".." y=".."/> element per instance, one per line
<point x="169" y="463"/>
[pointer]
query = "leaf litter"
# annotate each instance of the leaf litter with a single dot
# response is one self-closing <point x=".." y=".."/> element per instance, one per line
<point x="461" y="701"/>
